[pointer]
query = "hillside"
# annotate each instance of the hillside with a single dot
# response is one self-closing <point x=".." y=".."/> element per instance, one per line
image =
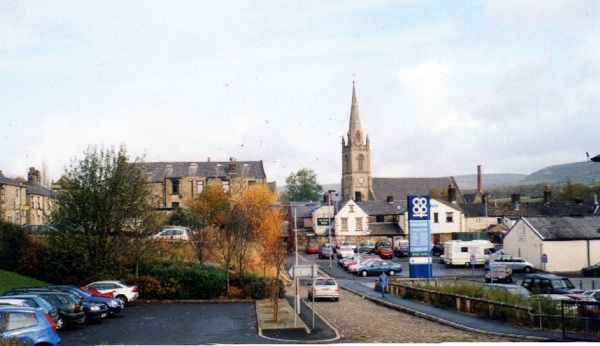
<point x="577" y="172"/>
<point x="10" y="280"/>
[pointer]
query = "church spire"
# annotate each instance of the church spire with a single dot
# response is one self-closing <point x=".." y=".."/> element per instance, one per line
<point x="355" y="130"/>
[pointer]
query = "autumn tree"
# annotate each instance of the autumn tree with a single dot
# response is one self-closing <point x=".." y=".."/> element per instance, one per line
<point x="303" y="186"/>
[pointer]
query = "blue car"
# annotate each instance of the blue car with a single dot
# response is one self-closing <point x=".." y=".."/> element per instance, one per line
<point x="30" y="326"/>
<point x="37" y="302"/>
<point x="114" y="305"/>
<point x="378" y="267"/>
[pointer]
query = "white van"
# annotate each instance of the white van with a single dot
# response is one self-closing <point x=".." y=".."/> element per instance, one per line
<point x="457" y="252"/>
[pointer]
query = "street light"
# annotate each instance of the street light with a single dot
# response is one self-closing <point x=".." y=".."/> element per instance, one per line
<point x="329" y="224"/>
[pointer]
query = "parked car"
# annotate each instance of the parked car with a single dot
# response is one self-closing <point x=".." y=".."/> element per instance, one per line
<point x="595" y="294"/>
<point x="384" y="252"/>
<point x="499" y="273"/>
<point x="69" y="307"/>
<point x="113" y="305"/>
<point x="345" y="251"/>
<point x="173" y="234"/>
<point x="366" y="247"/>
<point x="29" y="326"/>
<point x="358" y="258"/>
<point x="378" y="267"/>
<point x="508" y="288"/>
<point x="122" y="291"/>
<point x="326" y="251"/>
<point x="312" y="248"/>
<point x="383" y="242"/>
<point x="324" y="287"/>
<point x="353" y="267"/>
<point x="35" y="301"/>
<point x="437" y="250"/>
<point x="548" y="284"/>
<point x="351" y="244"/>
<point x="513" y="262"/>
<point x="39" y="229"/>
<point x="97" y="293"/>
<point x="593" y="270"/>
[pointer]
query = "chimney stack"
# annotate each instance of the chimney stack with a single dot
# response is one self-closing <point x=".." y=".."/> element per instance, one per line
<point x="390" y="199"/>
<point x="479" y="180"/>
<point x="451" y="194"/>
<point x="515" y="198"/>
<point x="326" y="198"/>
<point x="34" y="176"/>
<point x="547" y="195"/>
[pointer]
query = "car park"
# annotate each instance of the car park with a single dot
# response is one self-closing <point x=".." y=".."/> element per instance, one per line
<point x="113" y="305"/>
<point x="378" y="267"/>
<point x="593" y="270"/>
<point x="513" y="262"/>
<point x="345" y="251"/>
<point x="29" y="326"/>
<point x="312" y="248"/>
<point x="69" y="307"/>
<point x="324" y="287"/>
<point x="499" y="273"/>
<point x="509" y="289"/>
<point x="122" y="291"/>
<point x="548" y="284"/>
<point x="35" y="301"/>
<point x="326" y="251"/>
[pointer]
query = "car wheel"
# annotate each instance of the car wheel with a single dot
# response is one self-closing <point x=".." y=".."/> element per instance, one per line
<point x="392" y="273"/>
<point x="60" y="323"/>
<point x="364" y="273"/>
<point x="527" y="269"/>
<point x="336" y="299"/>
<point x="123" y="299"/>
<point x="468" y="264"/>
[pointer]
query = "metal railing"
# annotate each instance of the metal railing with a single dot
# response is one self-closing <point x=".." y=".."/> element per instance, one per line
<point x="581" y="320"/>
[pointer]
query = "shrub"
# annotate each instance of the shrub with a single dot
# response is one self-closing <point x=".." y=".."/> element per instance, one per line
<point x="151" y="288"/>
<point x="189" y="281"/>
<point x="13" y="239"/>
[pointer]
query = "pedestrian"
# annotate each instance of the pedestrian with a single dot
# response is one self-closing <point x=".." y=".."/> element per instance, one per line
<point x="382" y="281"/>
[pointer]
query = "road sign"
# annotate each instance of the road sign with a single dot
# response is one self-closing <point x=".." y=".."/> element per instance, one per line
<point x="303" y="270"/>
<point x="472" y="260"/>
<point x="322" y="221"/>
<point x="544" y="258"/>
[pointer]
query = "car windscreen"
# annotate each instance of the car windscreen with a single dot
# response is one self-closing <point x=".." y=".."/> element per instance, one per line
<point x="562" y="283"/>
<point x="325" y="282"/>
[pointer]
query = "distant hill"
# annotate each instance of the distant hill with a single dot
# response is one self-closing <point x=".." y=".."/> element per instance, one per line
<point x="490" y="181"/>
<point x="576" y="172"/>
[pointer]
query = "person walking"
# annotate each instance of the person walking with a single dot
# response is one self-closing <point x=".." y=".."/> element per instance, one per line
<point x="382" y="282"/>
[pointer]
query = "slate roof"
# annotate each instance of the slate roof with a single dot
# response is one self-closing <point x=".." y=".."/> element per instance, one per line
<point x="8" y="181"/>
<point x="565" y="228"/>
<point x="531" y="209"/>
<point x="36" y="189"/>
<point x="304" y="209"/>
<point x="401" y="188"/>
<point x="385" y="228"/>
<point x="381" y="208"/>
<point x="157" y="171"/>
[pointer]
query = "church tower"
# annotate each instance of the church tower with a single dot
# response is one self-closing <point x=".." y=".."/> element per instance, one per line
<point x="356" y="159"/>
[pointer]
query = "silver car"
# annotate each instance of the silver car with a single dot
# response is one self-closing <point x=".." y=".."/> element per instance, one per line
<point x="513" y="262"/>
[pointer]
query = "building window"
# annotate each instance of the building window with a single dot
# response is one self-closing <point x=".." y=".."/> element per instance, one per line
<point x="379" y="218"/>
<point x="449" y="217"/>
<point x="344" y="223"/>
<point x="175" y="186"/>
<point x="351" y="208"/>
<point x="175" y="205"/>
<point x="39" y="204"/>
<point x="436" y="217"/>
<point x="359" y="224"/>
<point x="361" y="162"/>
<point x="199" y="186"/>
<point x="226" y="186"/>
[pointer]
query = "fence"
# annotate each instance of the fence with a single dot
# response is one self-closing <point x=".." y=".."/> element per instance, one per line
<point x="581" y="320"/>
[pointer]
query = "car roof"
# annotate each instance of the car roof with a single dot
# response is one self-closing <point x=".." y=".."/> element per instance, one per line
<point x="543" y="276"/>
<point x="18" y="308"/>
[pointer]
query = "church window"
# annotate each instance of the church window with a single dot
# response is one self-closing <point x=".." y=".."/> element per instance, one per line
<point x="361" y="162"/>
<point x="358" y="139"/>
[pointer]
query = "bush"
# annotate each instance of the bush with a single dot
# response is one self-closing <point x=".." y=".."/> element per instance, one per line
<point x="13" y="240"/>
<point x="189" y="281"/>
<point x="151" y="288"/>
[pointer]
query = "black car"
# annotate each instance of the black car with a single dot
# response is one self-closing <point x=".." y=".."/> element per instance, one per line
<point x="593" y="270"/>
<point x="114" y="305"/>
<point x="548" y="284"/>
<point x="69" y="307"/>
<point x="437" y="250"/>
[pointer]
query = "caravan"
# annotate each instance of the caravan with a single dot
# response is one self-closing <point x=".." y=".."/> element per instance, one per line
<point x="459" y="252"/>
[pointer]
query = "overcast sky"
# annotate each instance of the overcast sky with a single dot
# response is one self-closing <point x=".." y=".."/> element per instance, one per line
<point x="442" y="85"/>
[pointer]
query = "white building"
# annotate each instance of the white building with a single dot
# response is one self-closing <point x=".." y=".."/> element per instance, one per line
<point x="570" y="243"/>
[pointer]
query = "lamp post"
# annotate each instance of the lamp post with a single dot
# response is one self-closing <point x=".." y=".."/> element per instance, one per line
<point x="329" y="224"/>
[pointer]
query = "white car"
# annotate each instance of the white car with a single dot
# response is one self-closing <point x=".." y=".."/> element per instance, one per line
<point x="324" y="287"/>
<point x="125" y="293"/>
<point x="345" y="251"/>
<point x="173" y="234"/>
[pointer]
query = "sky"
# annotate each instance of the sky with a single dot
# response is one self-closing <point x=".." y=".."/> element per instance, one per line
<point x="442" y="86"/>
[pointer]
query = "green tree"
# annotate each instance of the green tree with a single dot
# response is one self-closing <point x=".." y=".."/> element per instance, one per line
<point x="104" y="207"/>
<point x="303" y="186"/>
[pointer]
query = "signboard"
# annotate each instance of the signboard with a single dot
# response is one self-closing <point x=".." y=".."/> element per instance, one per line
<point x="419" y="236"/>
<point x="544" y="258"/>
<point x="322" y="221"/>
<point x="303" y="270"/>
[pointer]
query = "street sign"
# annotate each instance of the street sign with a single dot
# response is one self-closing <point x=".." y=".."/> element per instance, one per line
<point x="544" y="258"/>
<point x="419" y="236"/>
<point x="322" y="221"/>
<point x="303" y="270"/>
<point x="472" y="260"/>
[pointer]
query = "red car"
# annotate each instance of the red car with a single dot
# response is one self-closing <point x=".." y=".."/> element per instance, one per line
<point x="385" y="252"/>
<point x="95" y="292"/>
<point x="312" y="248"/>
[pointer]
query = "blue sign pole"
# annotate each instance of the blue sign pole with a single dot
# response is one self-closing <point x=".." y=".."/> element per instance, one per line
<point x="419" y="236"/>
